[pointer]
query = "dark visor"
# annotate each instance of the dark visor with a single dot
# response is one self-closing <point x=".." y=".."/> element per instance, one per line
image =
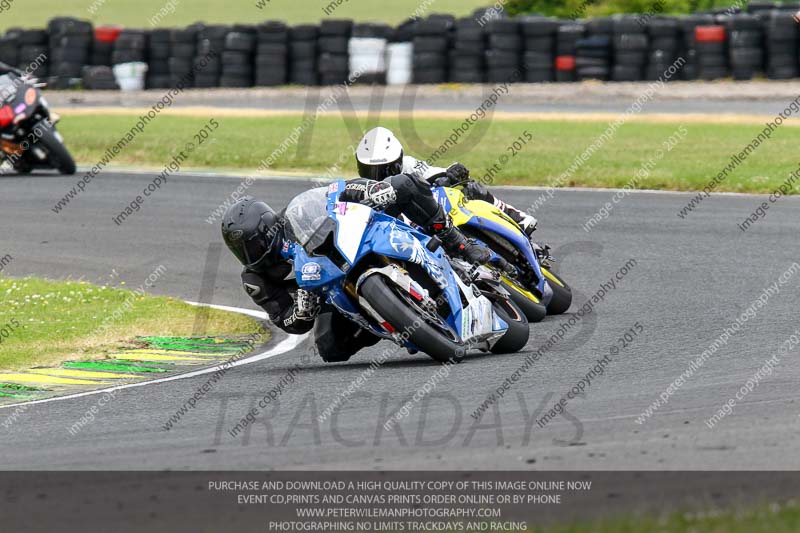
<point x="255" y="249"/>
<point x="373" y="172"/>
<point x="379" y="172"/>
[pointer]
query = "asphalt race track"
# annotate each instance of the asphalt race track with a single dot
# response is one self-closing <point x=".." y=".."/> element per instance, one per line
<point x="691" y="278"/>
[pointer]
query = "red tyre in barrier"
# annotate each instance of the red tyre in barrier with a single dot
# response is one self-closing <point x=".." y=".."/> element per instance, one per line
<point x="107" y="34"/>
<point x="709" y="34"/>
<point x="565" y="63"/>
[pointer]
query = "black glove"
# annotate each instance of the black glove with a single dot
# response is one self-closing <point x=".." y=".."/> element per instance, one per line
<point x="379" y="194"/>
<point x="306" y="306"/>
<point x="442" y="181"/>
<point x="476" y="191"/>
<point x="457" y="173"/>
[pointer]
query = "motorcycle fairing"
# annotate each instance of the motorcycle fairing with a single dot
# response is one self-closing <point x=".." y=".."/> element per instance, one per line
<point x="486" y="216"/>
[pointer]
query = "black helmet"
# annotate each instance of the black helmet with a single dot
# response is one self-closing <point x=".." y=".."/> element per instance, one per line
<point x="254" y="233"/>
<point x="379" y="154"/>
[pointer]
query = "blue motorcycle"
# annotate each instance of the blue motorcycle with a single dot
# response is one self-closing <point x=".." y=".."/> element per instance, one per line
<point x="396" y="282"/>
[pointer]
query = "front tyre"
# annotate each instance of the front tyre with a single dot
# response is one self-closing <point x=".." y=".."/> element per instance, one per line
<point x="57" y="154"/>
<point x="22" y="167"/>
<point x="516" y="337"/>
<point x="534" y="310"/>
<point x="562" y="294"/>
<point x="398" y="310"/>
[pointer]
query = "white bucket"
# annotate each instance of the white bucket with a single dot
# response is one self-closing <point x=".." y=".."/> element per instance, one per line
<point x="130" y="76"/>
<point x="367" y="55"/>
<point x="399" y="63"/>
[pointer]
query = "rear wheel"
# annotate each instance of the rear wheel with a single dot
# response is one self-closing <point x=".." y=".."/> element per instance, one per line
<point x="534" y="310"/>
<point x="562" y="294"/>
<point x="516" y="337"/>
<point x="405" y="316"/>
<point x="58" y="155"/>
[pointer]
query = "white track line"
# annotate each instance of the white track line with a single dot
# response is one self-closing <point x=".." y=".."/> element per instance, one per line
<point x="261" y="315"/>
<point x="286" y="345"/>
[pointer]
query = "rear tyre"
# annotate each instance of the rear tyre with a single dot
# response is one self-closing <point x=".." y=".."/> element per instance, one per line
<point x="57" y="153"/>
<point x="403" y="318"/>
<point x="533" y="311"/>
<point x="562" y="295"/>
<point x="516" y="337"/>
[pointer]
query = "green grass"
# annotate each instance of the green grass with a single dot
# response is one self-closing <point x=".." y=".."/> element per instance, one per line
<point x="774" y="518"/>
<point x="241" y="143"/>
<point x="138" y="13"/>
<point x="589" y="8"/>
<point x="53" y="321"/>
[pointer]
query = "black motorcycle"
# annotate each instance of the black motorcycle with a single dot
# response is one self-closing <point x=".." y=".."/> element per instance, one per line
<point x="28" y="135"/>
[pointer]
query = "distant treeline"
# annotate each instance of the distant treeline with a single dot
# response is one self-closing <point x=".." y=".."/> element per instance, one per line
<point x="587" y="8"/>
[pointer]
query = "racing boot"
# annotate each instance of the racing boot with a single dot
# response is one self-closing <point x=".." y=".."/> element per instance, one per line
<point x="454" y="242"/>
<point x="457" y="244"/>
<point x="523" y="220"/>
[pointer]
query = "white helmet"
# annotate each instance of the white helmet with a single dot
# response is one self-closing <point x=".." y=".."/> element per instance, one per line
<point x="379" y="154"/>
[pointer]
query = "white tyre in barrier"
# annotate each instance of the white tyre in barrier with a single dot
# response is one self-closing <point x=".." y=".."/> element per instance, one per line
<point x="367" y="55"/>
<point x="399" y="63"/>
<point x="130" y="76"/>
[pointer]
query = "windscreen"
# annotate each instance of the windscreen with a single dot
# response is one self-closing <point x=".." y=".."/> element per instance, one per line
<point x="306" y="213"/>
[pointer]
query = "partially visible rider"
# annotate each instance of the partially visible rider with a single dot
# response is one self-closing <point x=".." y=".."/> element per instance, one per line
<point x="5" y="68"/>
<point x="8" y="90"/>
<point x="380" y="154"/>
<point x="256" y="234"/>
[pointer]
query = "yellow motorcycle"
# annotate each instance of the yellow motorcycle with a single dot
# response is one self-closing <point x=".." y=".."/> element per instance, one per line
<point x="535" y="289"/>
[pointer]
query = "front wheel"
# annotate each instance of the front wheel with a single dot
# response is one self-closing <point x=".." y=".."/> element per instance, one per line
<point x="405" y="317"/>
<point x="57" y="153"/>
<point x="534" y="310"/>
<point x="21" y="166"/>
<point x="516" y="337"/>
<point x="562" y="294"/>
